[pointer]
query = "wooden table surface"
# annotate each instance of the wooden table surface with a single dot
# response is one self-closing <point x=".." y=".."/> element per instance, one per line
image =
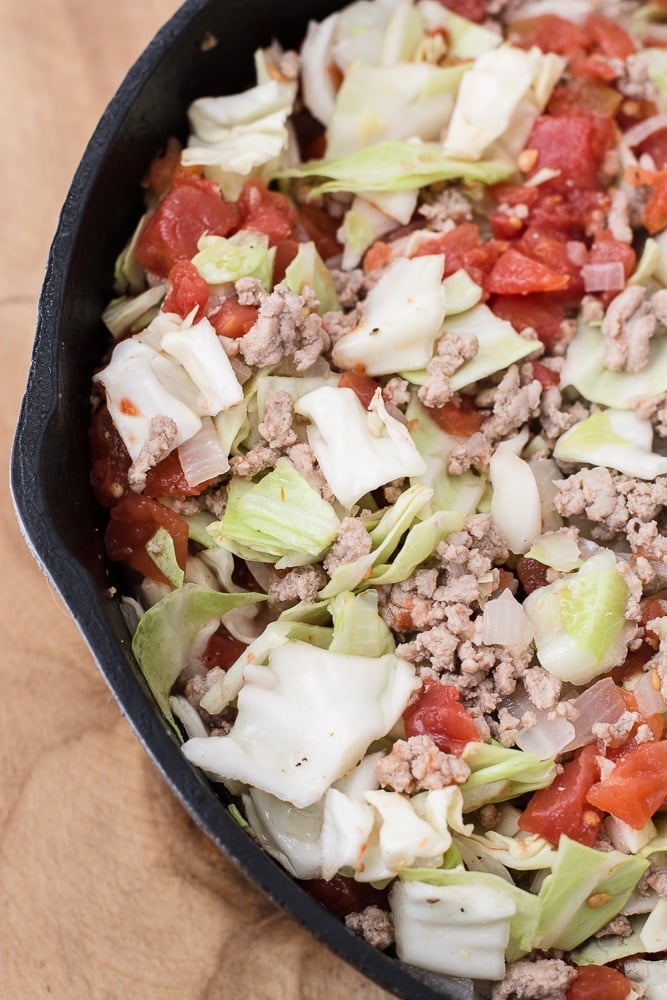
<point x="107" y="887"/>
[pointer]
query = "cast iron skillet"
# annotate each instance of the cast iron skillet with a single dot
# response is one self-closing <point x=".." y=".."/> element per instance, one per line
<point x="50" y="461"/>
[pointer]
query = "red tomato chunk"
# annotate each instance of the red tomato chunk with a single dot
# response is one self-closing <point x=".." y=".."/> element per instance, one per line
<point x="363" y="385"/>
<point x="438" y="713"/>
<point x="134" y="521"/>
<point x="222" y="650"/>
<point x="598" y="982"/>
<point x="563" y="807"/>
<point x="188" y="290"/>
<point x="637" y="786"/>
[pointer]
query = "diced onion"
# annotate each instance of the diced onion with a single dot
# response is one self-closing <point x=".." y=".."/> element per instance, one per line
<point x="649" y="698"/>
<point x="506" y="624"/>
<point x="601" y="702"/>
<point x="606" y="277"/>
<point x="201" y="456"/>
<point x="546" y="738"/>
<point x="643" y="129"/>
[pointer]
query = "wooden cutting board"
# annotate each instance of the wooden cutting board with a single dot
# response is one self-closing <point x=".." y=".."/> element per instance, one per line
<point x="108" y="889"/>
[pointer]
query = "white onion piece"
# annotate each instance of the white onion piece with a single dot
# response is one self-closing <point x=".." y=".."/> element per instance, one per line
<point x="649" y="698"/>
<point x="505" y="623"/>
<point x="546" y="738"/>
<point x="546" y="472"/>
<point x="642" y="130"/>
<point x="601" y="702"/>
<point x="201" y="456"/>
<point x="515" y="504"/>
<point x="606" y="277"/>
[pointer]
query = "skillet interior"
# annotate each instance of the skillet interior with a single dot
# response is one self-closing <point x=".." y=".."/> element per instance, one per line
<point x="50" y="461"/>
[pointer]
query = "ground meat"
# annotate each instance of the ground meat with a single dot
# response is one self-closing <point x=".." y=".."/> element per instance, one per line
<point x="648" y="543"/>
<point x="259" y="458"/>
<point x="396" y="394"/>
<point x="351" y="286"/>
<point x="545" y="979"/>
<point x="452" y="352"/>
<point x="474" y="453"/>
<point x="591" y="492"/>
<point x="337" y="324"/>
<point x="276" y="428"/>
<point x="591" y="309"/>
<point x="161" y="434"/>
<point x="448" y="206"/>
<point x="555" y="418"/>
<point x="654" y="880"/>
<point x="474" y="549"/>
<point x="630" y="322"/>
<point x="489" y="816"/>
<point x="282" y="330"/>
<point x="301" y="583"/>
<point x="615" y="732"/>
<point x="417" y="764"/>
<point x="250" y="292"/>
<point x="619" y="926"/>
<point x="374" y="924"/>
<point x="618" y="216"/>
<point x="513" y="406"/>
<point x="303" y="459"/>
<point x="542" y="688"/>
<point x="353" y="541"/>
<point x="654" y="408"/>
<point x="632" y="78"/>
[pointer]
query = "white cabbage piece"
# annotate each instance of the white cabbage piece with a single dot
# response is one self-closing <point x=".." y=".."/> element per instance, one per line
<point x="234" y="135"/>
<point x="579" y="621"/>
<point x="403" y="316"/>
<point x="584" y="370"/>
<point x="290" y="835"/>
<point x="466" y="40"/>
<point x="652" y="975"/>
<point x="199" y="351"/>
<point x="360" y="32"/>
<point x="616" y="439"/>
<point x="357" y="449"/>
<point x="455" y="930"/>
<point x="123" y="313"/>
<point x="135" y="395"/>
<point x="375" y="104"/>
<point x="317" y="79"/>
<point x="363" y="223"/>
<point x="499" y="98"/>
<point x="305" y="719"/>
<point x="515" y="505"/>
<point x="558" y="549"/>
<point x="245" y="254"/>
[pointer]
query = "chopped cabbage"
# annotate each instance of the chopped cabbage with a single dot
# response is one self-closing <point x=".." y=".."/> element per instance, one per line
<point x="245" y="254"/>
<point x="198" y="349"/>
<point x="402" y="318"/>
<point x="308" y="269"/>
<point x="579" y="621"/>
<point x="357" y="449"/>
<point x="466" y="40"/>
<point x="616" y="439"/>
<point x="122" y="314"/>
<point x="305" y="719"/>
<point x="515" y="504"/>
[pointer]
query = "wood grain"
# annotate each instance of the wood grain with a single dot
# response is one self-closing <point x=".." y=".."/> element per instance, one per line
<point x="108" y="889"/>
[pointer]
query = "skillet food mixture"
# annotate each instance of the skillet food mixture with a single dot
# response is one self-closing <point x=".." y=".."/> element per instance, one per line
<point x="382" y="436"/>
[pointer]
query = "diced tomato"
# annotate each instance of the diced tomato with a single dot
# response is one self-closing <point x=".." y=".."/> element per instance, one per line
<point x="633" y="662"/>
<point x="188" y="290"/>
<point x="110" y="459"/>
<point x="550" y="33"/>
<point x="572" y="144"/>
<point x="268" y="212"/>
<point x="363" y="385"/>
<point x="162" y="169"/>
<point x="472" y="10"/>
<point x="609" y="38"/>
<point x="504" y="226"/>
<point x="134" y="521"/>
<point x="516" y="274"/>
<point x="321" y="228"/>
<point x="654" y="216"/>
<point x="167" y="479"/>
<point x="606" y="249"/>
<point x="563" y="807"/>
<point x="460" y="419"/>
<point x="539" y="311"/>
<point x="455" y="244"/>
<point x="656" y="146"/>
<point x="342" y="895"/>
<point x="438" y="713"/>
<point x="598" y="982"/>
<point x="544" y="375"/>
<point x="480" y="261"/>
<point x="191" y="208"/>
<point x="233" y="319"/>
<point x="654" y="607"/>
<point x="637" y="786"/>
<point x="594" y="67"/>
<point x="553" y="251"/>
<point x="532" y="573"/>
<point x="377" y="255"/>
<point x="286" y="251"/>
<point x="222" y="650"/>
<point x="585" y="96"/>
